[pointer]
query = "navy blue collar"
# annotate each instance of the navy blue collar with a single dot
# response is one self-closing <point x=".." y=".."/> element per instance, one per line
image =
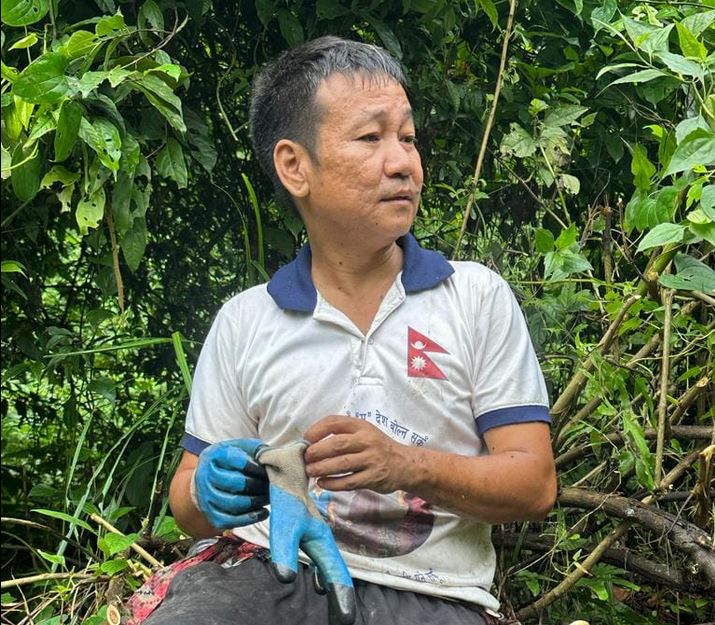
<point x="292" y="285"/>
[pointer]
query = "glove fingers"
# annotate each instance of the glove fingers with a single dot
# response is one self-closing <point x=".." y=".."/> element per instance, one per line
<point x="233" y="504"/>
<point x="341" y="605"/>
<point x="233" y="482"/>
<point x="233" y="458"/>
<point x="222" y="520"/>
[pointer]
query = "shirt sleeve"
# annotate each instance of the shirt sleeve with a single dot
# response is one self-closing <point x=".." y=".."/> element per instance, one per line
<point x="217" y="410"/>
<point x="509" y="385"/>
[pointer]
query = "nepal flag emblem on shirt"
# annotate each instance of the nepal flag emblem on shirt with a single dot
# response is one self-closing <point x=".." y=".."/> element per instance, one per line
<point x="419" y="364"/>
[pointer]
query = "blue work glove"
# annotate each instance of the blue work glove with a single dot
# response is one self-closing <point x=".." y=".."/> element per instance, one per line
<point x="229" y="486"/>
<point x="297" y="523"/>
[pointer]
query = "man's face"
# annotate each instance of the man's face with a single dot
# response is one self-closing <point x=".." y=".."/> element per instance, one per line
<point x="368" y="175"/>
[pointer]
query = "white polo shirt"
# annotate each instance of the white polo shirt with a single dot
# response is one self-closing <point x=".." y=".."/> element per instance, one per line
<point x="448" y="356"/>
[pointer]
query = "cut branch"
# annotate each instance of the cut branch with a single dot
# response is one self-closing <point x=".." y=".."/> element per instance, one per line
<point x="664" y="382"/>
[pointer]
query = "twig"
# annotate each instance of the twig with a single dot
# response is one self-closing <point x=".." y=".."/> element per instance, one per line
<point x="687" y="399"/>
<point x="705" y="298"/>
<point x="140" y="550"/>
<point x="43" y="577"/>
<point x="115" y="257"/>
<point x="488" y="127"/>
<point x="664" y="381"/>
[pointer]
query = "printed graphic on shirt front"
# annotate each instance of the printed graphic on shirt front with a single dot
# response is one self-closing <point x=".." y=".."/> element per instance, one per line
<point x="370" y="524"/>
<point x="419" y="364"/>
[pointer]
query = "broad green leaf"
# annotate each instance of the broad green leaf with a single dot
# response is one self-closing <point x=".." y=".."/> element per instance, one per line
<point x="680" y="65"/>
<point x="388" y="38"/>
<point x="638" y="31"/>
<point x="151" y="14"/>
<point x="567" y="237"/>
<point x="698" y="148"/>
<point x="111" y="26"/>
<point x="662" y="234"/>
<point x="121" y="202"/>
<point x="656" y="41"/>
<point x="518" y="142"/>
<point x="324" y="9"/>
<point x="266" y="10"/>
<point x="536" y="106"/>
<point x="42" y="124"/>
<point x="544" y="240"/>
<point x="161" y="97"/>
<point x="6" y="162"/>
<point x="692" y="275"/>
<point x="103" y="137"/>
<point x="565" y="262"/>
<point x="601" y="16"/>
<point x="698" y="216"/>
<point x="112" y="567"/>
<point x="116" y="543"/>
<point x="8" y="73"/>
<point x="491" y="11"/>
<point x="171" y="164"/>
<point x="73" y="520"/>
<point x="25" y="175"/>
<point x="104" y="387"/>
<point x="702" y="230"/>
<point x="68" y="124"/>
<point x="707" y="201"/>
<point x="644" y="212"/>
<point x="90" y="211"/>
<point x="563" y="114"/>
<point x="13" y="266"/>
<point x="26" y="42"/>
<point x="290" y="27"/>
<point x="698" y="22"/>
<point x="203" y="149"/>
<point x="570" y="183"/>
<point x="44" y="80"/>
<point x="16" y="118"/>
<point x="64" y="195"/>
<point x="685" y="127"/>
<point x="133" y="243"/>
<point x="172" y="70"/>
<point x="641" y="168"/>
<point x="117" y="75"/>
<point x="689" y="44"/>
<point x="24" y="12"/>
<point x="79" y="44"/>
<point x="60" y="174"/>
<point x="617" y="66"/>
<point x="90" y="81"/>
<point x="639" y="77"/>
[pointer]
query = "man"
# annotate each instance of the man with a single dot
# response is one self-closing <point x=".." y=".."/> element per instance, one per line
<point x="412" y="379"/>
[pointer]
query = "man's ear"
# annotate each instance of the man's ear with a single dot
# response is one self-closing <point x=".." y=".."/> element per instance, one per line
<point x="292" y="161"/>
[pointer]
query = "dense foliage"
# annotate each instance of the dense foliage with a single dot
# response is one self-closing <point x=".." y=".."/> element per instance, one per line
<point x="133" y="207"/>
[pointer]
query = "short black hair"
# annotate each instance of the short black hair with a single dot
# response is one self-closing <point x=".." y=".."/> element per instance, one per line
<point x="283" y="104"/>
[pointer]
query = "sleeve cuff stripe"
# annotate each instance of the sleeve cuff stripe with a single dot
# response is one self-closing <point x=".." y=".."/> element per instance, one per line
<point x="193" y="444"/>
<point x="513" y="414"/>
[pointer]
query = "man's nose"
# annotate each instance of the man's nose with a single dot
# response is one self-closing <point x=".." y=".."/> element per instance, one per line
<point x="401" y="158"/>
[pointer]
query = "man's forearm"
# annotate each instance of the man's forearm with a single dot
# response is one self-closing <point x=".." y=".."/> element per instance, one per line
<point x="189" y="518"/>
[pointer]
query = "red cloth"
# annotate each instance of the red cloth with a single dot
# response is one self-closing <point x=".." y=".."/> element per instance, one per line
<point x="145" y="600"/>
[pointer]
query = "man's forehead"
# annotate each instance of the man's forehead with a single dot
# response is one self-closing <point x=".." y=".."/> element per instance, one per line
<point x="341" y="90"/>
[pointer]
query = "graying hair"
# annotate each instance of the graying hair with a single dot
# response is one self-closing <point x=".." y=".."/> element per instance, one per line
<point x="283" y="104"/>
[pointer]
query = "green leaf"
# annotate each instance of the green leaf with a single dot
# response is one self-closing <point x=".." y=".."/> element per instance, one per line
<point x="641" y="168"/>
<point x="171" y="164"/>
<point x="698" y="22"/>
<point x="161" y="97"/>
<point x="612" y="68"/>
<point x="43" y="123"/>
<point x="151" y="14"/>
<point x="698" y="148"/>
<point x="638" y="31"/>
<point x="90" y="81"/>
<point x="544" y="240"/>
<point x="111" y="26"/>
<point x="662" y="234"/>
<point x="290" y="27"/>
<point x="203" y="149"/>
<point x="26" y="42"/>
<point x="680" y="65"/>
<point x="133" y="243"/>
<point x="644" y="212"/>
<point x="44" y="80"/>
<point x="705" y="230"/>
<point x="564" y="114"/>
<point x="25" y="175"/>
<point x="90" y="211"/>
<point x="692" y="275"/>
<point x="266" y="10"/>
<point x="23" y="12"/>
<point x="73" y="520"/>
<point x="52" y="557"/>
<point x="388" y="38"/>
<point x="116" y="543"/>
<point x="570" y="183"/>
<point x="61" y="174"/>
<point x="490" y="9"/>
<point x="567" y="237"/>
<point x="79" y="44"/>
<point x="707" y="201"/>
<point x="518" y="142"/>
<point x="656" y="41"/>
<point x="13" y="266"/>
<point x="112" y="567"/>
<point x="645" y="75"/>
<point x="685" y="127"/>
<point x="689" y="44"/>
<point x="103" y="137"/>
<point x="68" y="124"/>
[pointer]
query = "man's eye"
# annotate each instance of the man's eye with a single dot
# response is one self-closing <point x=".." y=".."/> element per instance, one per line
<point x="370" y="138"/>
<point x="409" y="139"/>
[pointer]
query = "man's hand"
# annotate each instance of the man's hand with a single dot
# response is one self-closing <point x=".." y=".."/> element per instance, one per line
<point x="348" y="453"/>
<point x="297" y="523"/>
<point x="229" y="486"/>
